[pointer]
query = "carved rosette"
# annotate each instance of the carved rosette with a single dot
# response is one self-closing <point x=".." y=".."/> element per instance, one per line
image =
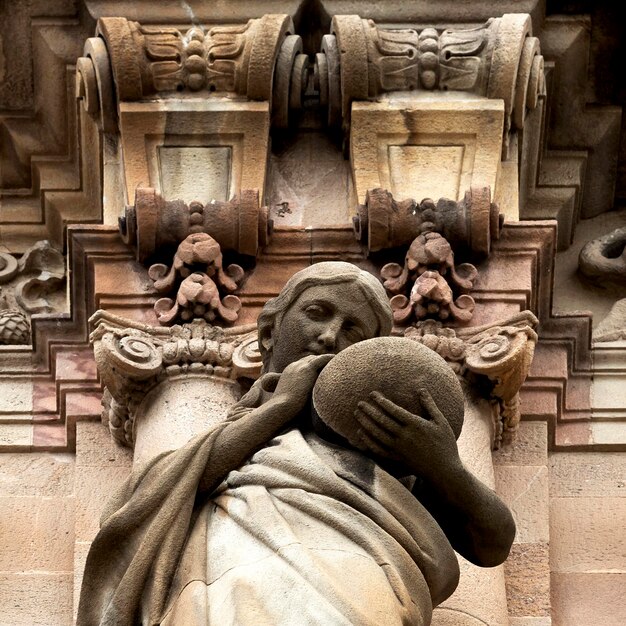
<point x="133" y="358"/>
<point x="499" y="355"/>
<point x="30" y="284"/>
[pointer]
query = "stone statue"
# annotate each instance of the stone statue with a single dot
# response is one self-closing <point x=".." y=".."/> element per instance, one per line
<point x="300" y="512"/>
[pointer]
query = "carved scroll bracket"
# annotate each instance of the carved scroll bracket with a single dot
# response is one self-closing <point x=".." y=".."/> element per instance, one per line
<point x="361" y="61"/>
<point x="154" y="223"/>
<point x="128" y="62"/>
<point x="134" y="358"/>
<point x="498" y="355"/>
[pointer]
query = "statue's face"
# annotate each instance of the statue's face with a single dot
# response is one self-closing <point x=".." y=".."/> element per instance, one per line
<point x="323" y="320"/>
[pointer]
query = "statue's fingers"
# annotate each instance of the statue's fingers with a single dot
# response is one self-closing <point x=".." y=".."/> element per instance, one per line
<point x="433" y="410"/>
<point x="381" y="418"/>
<point x="372" y="444"/>
<point x="398" y="413"/>
<point x="371" y="427"/>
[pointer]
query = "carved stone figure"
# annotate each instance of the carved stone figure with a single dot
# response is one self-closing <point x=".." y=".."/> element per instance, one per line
<point x="273" y="517"/>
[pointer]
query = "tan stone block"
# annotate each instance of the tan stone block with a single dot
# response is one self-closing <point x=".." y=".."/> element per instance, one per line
<point x="15" y="436"/>
<point x="96" y="448"/>
<point x="587" y="534"/>
<point x="589" y="474"/>
<point x="529" y="448"/>
<point x="525" y="490"/>
<point x="81" y="550"/>
<point x="241" y="127"/>
<point x="16" y="396"/>
<point x="588" y="599"/>
<point x="37" y="534"/>
<point x="421" y="146"/>
<point x="36" y="599"/>
<point x="527" y="572"/>
<point x="93" y="490"/>
<point x="36" y="474"/>
<point x="530" y="621"/>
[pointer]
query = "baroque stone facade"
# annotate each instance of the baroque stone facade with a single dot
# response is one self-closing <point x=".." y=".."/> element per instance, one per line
<point x="165" y="168"/>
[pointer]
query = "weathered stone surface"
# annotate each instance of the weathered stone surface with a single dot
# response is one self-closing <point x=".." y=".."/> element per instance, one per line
<point x="37" y="534"/>
<point x="528" y="580"/>
<point x="531" y="446"/>
<point x="39" y="475"/>
<point x="592" y="598"/>
<point x="36" y="599"/>
<point x="591" y="474"/>
<point x="587" y="534"/>
<point x="525" y="490"/>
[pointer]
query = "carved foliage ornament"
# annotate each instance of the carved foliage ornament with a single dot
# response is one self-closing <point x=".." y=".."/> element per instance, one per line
<point x="197" y="276"/>
<point x="28" y="284"/>
<point x="429" y="284"/>
<point x="500" y="354"/>
<point x="133" y="358"/>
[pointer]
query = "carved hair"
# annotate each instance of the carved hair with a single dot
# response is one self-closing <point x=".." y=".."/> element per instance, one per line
<point x="326" y="273"/>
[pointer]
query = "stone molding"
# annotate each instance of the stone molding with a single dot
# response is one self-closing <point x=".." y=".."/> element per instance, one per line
<point x="133" y="358"/>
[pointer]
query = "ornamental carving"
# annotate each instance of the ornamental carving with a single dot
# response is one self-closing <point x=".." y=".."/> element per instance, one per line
<point x="133" y="358"/>
<point x="498" y="60"/>
<point x="154" y="223"/>
<point x="203" y="287"/>
<point x="30" y="284"/>
<point x="498" y="354"/>
<point x="472" y="223"/>
<point x="604" y="259"/>
<point x="436" y="287"/>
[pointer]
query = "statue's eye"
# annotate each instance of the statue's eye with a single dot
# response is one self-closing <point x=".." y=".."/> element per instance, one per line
<point x="315" y="312"/>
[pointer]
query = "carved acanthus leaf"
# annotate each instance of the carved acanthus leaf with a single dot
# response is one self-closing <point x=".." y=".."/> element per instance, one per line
<point x="201" y="284"/>
<point x="438" y="288"/>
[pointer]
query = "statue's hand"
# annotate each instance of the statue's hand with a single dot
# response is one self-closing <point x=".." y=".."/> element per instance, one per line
<point x="297" y="380"/>
<point x="425" y="444"/>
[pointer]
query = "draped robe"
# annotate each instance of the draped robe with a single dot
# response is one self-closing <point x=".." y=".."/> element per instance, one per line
<point x="305" y="532"/>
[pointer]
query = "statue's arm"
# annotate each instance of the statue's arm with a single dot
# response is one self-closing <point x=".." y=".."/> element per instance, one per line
<point x="477" y="523"/>
<point x="241" y="438"/>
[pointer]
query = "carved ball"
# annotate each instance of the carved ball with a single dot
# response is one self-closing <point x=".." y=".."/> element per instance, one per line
<point x="396" y="367"/>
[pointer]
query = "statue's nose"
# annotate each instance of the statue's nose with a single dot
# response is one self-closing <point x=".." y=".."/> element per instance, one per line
<point x="328" y="337"/>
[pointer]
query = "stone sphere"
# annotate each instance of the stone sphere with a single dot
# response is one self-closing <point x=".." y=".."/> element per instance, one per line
<point x="396" y="367"/>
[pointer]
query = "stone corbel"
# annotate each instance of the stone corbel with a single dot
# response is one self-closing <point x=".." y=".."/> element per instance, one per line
<point x="134" y="358"/>
<point x="499" y="60"/>
<point x="429" y="284"/>
<point x="192" y="107"/>
<point x="195" y="283"/>
<point x="496" y="356"/>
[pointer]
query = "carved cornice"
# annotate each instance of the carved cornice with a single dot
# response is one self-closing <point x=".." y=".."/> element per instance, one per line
<point x="133" y="358"/>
